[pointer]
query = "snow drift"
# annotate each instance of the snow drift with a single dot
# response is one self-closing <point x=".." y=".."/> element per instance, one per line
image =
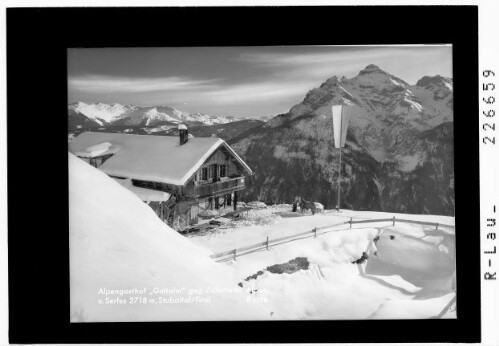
<point x="127" y="265"/>
<point x="409" y="272"/>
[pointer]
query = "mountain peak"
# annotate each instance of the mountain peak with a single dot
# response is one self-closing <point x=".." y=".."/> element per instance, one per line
<point x="370" y="69"/>
<point x="436" y="80"/>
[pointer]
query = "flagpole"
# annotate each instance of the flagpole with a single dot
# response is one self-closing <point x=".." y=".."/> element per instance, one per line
<point x="340" y="126"/>
<point x="339" y="179"/>
<point x="339" y="169"/>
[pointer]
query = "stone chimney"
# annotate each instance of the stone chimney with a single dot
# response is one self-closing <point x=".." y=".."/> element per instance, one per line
<point x="183" y="134"/>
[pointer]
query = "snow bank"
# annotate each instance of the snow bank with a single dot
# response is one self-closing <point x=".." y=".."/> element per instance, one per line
<point x="410" y="309"/>
<point x="127" y="265"/>
<point x="332" y="287"/>
<point x="414" y="270"/>
<point x="256" y="205"/>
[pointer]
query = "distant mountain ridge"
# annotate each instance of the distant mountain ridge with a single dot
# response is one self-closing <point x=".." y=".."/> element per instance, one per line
<point x="398" y="156"/>
<point x="159" y="121"/>
<point x="101" y="114"/>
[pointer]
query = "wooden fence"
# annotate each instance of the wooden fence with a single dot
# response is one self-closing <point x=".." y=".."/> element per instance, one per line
<point x="232" y="254"/>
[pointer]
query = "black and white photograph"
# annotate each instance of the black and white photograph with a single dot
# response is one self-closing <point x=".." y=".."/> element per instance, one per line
<point x="245" y="183"/>
<point x="193" y="173"/>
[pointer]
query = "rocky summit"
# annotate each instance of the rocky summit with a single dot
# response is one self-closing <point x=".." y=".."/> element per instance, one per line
<point x="398" y="157"/>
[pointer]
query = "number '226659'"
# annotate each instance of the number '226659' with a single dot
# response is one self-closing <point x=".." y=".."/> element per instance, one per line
<point x="490" y="113"/>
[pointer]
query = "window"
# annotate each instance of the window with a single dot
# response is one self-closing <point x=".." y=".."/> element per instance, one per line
<point x="213" y="171"/>
<point x="223" y="171"/>
<point x="204" y="173"/>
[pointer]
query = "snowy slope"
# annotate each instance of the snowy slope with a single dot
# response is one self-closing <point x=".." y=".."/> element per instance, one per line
<point x="153" y="115"/>
<point x="100" y="112"/>
<point x="205" y="119"/>
<point x="411" y="275"/>
<point x="436" y="96"/>
<point x="118" y="243"/>
<point x="126" y="247"/>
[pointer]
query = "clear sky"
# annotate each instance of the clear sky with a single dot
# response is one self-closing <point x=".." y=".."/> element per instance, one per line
<point x="239" y="81"/>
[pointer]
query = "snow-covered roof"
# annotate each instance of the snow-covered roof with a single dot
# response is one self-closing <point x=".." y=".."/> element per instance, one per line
<point x="146" y="195"/>
<point x="152" y="158"/>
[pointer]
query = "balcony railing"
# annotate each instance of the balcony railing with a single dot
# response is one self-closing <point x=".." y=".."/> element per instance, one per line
<point x="217" y="188"/>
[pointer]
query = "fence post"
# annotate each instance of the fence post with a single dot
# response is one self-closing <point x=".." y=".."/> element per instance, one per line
<point x="267" y="242"/>
<point x="234" y="254"/>
<point x="350" y="222"/>
<point x="436" y="229"/>
<point x="315" y="232"/>
<point x="394" y="220"/>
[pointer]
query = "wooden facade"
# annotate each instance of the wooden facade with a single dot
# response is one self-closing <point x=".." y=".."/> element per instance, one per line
<point x="213" y="185"/>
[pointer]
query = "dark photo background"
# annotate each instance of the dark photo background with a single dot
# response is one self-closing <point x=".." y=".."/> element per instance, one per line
<point x="37" y="43"/>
